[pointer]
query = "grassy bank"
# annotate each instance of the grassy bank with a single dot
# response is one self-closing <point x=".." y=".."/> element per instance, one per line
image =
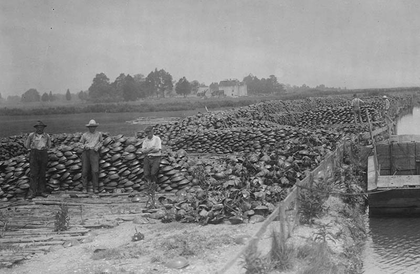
<point x="150" y="105"/>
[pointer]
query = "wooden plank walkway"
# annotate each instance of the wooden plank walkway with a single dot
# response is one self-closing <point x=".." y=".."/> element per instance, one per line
<point x="27" y="228"/>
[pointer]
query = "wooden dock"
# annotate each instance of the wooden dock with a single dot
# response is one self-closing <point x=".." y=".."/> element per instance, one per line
<point x="28" y="227"/>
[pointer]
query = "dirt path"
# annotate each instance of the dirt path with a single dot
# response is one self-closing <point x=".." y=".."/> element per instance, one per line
<point x="206" y="248"/>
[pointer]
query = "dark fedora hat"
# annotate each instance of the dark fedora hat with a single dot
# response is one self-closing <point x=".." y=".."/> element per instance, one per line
<point x="40" y="124"/>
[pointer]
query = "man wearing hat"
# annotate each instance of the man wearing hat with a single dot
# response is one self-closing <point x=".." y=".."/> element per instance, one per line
<point x="151" y="148"/>
<point x="38" y="143"/>
<point x="91" y="142"/>
<point x="385" y="108"/>
<point x="386" y="105"/>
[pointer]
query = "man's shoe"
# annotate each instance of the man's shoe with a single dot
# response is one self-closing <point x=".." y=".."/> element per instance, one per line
<point x="44" y="195"/>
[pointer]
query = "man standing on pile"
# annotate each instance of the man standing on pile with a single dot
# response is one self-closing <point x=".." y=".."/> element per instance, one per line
<point x="91" y="142"/>
<point x="355" y="103"/>
<point x="386" y="105"/>
<point x="152" y="150"/>
<point x="38" y="143"/>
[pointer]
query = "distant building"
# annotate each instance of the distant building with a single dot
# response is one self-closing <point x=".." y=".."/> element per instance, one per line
<point x="233" y="88"/>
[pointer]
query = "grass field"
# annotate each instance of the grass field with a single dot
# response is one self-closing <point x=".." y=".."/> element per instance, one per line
<point x="113" y="123"/>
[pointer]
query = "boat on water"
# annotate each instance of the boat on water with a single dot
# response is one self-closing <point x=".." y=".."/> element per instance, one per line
<point x="394" y="177"/>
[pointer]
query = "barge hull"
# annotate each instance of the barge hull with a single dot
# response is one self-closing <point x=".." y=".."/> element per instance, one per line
<point x="404" y="202"/>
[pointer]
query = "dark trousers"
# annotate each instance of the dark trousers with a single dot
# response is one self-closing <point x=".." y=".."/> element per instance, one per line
<point x="151" y="167"/>
<point x="90" y="163"/>
<point x="38" y="160"/>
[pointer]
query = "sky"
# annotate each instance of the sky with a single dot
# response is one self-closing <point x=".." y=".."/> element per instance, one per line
<point x="55" y="45"/>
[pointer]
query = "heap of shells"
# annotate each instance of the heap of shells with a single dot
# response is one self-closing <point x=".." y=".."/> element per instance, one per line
<point x="12" y="146"/>
<point x="121" y="169"/>
<point x="272" y="149"/>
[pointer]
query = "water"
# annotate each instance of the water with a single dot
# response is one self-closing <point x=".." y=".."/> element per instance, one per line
<point x="393" y="244"/>
<point x="409" y="123"/>
<point x="113" y="123"/>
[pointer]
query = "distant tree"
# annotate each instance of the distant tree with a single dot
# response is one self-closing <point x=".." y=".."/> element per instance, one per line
<point x="68" y="95"/>
<point x="14" y="99"/>
<point x="51" y="97"/>
<point x="31" y="95"/>
<point x="274" y="86"/>
<point x="268" y="85"/>
<point x="100" y="90"/>
<point x="157" y="82"/>
<point x="139" y="78"/>
<point x="140" y="83"/>
<point x="183" y="87"/>
<point x="253" y="84"/>
<point x="321" y="87"/>
<point x="117" y="87"/>
<point x="129" y="89"/>
<point x="195" y="85"/>
<point x="45" y="97"/>
<point x="82" y="95"/>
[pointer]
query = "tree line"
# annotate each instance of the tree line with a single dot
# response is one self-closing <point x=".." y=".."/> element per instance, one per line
<point x="158" y="83"/>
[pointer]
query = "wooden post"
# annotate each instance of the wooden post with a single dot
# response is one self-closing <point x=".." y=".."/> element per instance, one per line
<point x="375" y="160"/>
<point x="297" y="204"/>
<point x="282" y="218"/>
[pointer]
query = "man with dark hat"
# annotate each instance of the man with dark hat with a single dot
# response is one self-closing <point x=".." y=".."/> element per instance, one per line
<point x="151" y="148"/>
<point x="91" y="142"/>
<point x="38" y="143"/>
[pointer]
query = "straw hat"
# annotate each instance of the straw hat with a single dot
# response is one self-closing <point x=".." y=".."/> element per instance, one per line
<point x="92" y="123"/>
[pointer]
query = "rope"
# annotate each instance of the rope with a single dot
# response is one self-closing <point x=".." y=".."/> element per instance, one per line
<point x="344" y="194"/>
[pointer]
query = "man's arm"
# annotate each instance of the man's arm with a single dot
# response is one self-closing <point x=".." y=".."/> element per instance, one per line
<point x="157" y="146"/>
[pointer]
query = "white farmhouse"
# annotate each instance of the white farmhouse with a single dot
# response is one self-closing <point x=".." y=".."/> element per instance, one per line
<point x="233" y="88"/>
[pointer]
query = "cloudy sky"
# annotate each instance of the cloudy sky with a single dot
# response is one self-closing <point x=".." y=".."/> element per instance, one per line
<point x="59" y="45"/>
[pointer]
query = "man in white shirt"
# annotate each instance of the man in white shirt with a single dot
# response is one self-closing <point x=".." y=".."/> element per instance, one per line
<point x="38" y="143"/>
<point x="386" y="104"/>
<point x="91" y="142"/>
<point x="355" y="103"/>
<point x="152" y="150"/>
<point x="385" y="108"/>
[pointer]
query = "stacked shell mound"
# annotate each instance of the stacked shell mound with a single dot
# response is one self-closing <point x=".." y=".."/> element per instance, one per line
<point x="257" y="115"/>
<point x="335" y="116"/>
<point x="12" y="146"/>
<point x="242" y="139"/>
<point x="240" y="185"/>
<point x="203" y="123"/>
<point x="339" y="118"/>
<point x="121" y="168"/>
